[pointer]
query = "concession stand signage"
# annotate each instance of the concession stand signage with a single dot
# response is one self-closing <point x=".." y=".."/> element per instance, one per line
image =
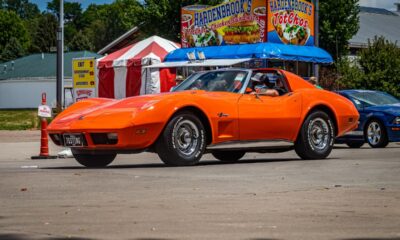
<point x="248" y="21"/>
<point x="83" y="76"/>
<point x="233" y="22"/>
<point x="291" y="22"/>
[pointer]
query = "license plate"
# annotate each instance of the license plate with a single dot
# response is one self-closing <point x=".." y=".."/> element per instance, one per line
<point x="73" y="140"/>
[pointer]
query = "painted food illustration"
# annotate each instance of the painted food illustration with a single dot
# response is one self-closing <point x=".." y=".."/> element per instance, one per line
<point x="290" y="33"/>
<point x="208" y="38"/>
<point x="242" y="32"/>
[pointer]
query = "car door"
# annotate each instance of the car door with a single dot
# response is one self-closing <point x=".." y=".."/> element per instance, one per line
<point x="269" y="118"/>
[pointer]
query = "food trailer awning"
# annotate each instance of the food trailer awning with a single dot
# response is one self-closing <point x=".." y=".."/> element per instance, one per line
<point x="204" y="63"/>
<point x="257" y="50"/>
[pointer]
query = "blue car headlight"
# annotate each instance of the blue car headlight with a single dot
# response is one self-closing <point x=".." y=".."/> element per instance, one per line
<point x="396" y="121"/>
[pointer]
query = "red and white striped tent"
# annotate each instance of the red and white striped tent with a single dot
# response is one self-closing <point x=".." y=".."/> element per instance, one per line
<point x="122" y="74"/>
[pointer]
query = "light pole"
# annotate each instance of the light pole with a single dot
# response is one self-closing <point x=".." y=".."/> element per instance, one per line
<point x="316" y="35"/>
<point x="60" y="59"/>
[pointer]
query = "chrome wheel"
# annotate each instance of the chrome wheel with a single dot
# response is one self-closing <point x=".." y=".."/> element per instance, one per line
<point x="185" y="137"/>
<point x="374" y="133"/>
<point x="318" y="134"/>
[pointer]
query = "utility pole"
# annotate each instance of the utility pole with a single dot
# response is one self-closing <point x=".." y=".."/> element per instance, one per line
<point x="316" y="35"/>
<point x="60" y="59"/>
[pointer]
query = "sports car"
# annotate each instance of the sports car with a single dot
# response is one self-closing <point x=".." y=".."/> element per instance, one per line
<point x="218" y="112"/>
<point x="379" y="119"/>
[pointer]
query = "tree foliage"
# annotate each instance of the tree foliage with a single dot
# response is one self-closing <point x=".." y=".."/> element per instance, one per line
<point x="339" y="22"/>
<point x="11" y="26"/>
<point x="377" y="68"/>
<point x="23" y="8"/>
<point x="163" y="16"/>
<point x="12" y="50"/>
<point x="80" y="42"/>
<point x="43" y="32"/>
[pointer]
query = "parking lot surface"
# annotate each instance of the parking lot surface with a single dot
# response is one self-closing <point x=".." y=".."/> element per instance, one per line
<point x="355" y="194"/>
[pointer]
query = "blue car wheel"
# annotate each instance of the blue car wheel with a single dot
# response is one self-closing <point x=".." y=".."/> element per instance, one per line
<point x="375" y="134"/>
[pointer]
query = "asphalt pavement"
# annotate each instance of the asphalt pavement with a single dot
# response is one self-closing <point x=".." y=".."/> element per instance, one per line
<point x="353" y="195"/>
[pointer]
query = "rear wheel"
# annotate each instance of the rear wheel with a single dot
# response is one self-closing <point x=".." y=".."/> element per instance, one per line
<point x="93" y="160"/>
<point x="183" y="141"/>
<point x="316" y="137"/>
<point x="375" y="134"/>
<point x="355" y="144"/>
<point x="228" y="156"/>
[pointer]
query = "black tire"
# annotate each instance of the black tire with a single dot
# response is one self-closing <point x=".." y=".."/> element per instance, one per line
<point x="316" y="137"/>
<point x="228" y="156"/>
<point x="183" y="141"/>
<point x="93" y="160"/>
<point x="355" y="144"/>
<point x="375" y="134"/>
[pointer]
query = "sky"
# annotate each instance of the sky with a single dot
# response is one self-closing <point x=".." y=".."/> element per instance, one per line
<point x="388" y="4"/>
<point x="42" y="4"/>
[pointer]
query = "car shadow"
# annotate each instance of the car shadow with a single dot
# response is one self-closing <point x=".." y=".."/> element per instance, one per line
<point x="201" y="163"/>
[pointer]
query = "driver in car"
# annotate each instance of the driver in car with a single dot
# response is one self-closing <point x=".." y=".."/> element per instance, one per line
<point x="261" y="86"/>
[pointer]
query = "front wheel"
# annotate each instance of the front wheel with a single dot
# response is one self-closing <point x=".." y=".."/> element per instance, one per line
<point x="375" y="134"/>
<point x="183" y="141"/>
<point x="93" y="160"/>
<point x="316" y="137"/>
<point x="228" y="156"/>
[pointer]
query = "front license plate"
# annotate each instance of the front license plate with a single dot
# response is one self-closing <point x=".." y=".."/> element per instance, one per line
<point x="73" y="140"/>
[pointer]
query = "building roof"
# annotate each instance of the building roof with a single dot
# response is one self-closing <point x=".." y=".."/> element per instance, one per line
<point x="376" y="22"/>
<point x="122" y="41"/>
<point x="40" y="65"/>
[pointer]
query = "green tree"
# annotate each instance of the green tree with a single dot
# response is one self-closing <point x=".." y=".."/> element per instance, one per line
<point x="23" y="8"/>
<point x="44" y="33"/>
<point x="163" y="16"/>
<point x="12" y="26"/>
<point x="380" y="63"/>
<point x="80" y="42"/>
<point x="339" y="22"/>
<point x="72" y="10"/>
<point x="12" y="50"/>
<point x="104" y="29"/>
<point x="377" y="68"/>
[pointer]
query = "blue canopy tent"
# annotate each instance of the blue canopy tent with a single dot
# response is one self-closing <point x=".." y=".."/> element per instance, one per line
<point x="255" y="51"/>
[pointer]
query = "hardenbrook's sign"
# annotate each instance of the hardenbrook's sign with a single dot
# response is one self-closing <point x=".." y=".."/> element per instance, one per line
<point x="234" y="22"/>
<point x="248" y="21"/>
<point x="291" y="22"/>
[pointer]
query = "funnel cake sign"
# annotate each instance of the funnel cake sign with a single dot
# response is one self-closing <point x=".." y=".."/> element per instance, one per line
<point x="291" y="22"/>
<point x="232" y="22"/>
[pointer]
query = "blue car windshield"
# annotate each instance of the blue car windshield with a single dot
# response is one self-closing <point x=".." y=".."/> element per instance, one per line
<point x="215" y="81"/>
<point x="372" y="98"/>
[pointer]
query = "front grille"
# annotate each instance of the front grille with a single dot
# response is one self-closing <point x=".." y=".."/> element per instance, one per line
<point x="102" y="139"/>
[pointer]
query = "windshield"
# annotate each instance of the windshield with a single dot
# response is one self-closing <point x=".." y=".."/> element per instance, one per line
<point x="367" y="99"/>
<point x="215" y="81"/>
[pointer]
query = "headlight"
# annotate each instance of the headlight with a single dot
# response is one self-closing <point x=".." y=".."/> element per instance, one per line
<point x="396" y="121"/>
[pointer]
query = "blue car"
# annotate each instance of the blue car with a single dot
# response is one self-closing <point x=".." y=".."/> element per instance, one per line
<point x="379" y="119"/>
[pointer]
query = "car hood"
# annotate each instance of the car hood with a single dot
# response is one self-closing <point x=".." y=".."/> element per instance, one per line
<point x="393" y="109"/>
<point x="120" y="113"/>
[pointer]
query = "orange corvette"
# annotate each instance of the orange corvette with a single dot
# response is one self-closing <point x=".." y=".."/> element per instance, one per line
<point x="221" y="112"/>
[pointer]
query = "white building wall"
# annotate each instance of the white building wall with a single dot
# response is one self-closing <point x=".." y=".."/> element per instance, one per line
<point x="27" y="93"/>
